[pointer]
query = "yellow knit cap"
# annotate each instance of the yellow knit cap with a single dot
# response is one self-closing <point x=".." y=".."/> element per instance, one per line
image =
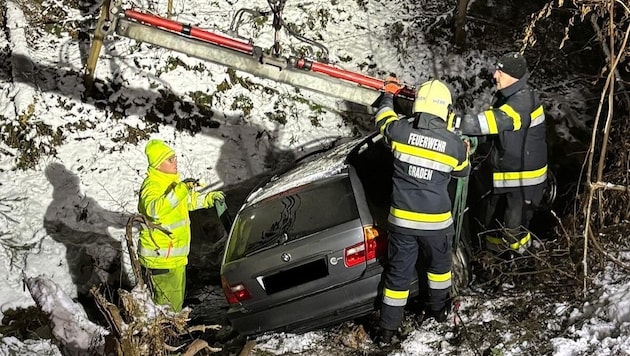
<point x="157" y="152"/>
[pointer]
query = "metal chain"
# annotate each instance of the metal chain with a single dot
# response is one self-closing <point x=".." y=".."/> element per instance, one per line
<point x="277" y="6"/>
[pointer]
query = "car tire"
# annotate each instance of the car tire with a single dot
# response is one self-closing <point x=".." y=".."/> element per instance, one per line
<point x="460" y="270"/>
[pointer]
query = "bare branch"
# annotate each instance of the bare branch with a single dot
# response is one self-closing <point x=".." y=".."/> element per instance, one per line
<point x="601" y="250"/>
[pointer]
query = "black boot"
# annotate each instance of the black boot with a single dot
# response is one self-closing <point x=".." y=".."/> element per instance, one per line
<point x="384" y="337"/>
<point x="439" y="315"/>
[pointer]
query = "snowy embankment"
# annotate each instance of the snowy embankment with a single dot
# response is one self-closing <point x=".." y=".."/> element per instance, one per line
<point x="69" y="210"/>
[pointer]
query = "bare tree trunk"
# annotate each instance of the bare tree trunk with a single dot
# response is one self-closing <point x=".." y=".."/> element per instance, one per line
<point x="460" y="23"/>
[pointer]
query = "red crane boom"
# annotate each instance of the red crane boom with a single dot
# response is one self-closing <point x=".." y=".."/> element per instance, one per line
<point x="244" y="56"/>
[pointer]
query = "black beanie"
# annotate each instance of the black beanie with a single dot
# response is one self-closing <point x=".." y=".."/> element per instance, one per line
<point x="513" y="64"/>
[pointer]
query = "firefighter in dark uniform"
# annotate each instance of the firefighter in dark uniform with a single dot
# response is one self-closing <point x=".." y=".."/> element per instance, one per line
<point x="515" y="124"/>
<point x="426" y="153"/>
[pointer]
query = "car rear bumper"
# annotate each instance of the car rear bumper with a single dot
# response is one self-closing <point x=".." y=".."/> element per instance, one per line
<point x="332" y="306"/>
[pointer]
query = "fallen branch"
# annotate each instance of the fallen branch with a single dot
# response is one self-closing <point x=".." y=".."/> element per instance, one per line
<point x="141" y="327"/>
<point x="70" y="327"/>
<point x="135" y="265"/>
<point x="199" y="345"/>
<point x="248" y="348"/>
<point x="609" y="186"/>
<point x="203" y="328"/>
<point x="109" y="311"/>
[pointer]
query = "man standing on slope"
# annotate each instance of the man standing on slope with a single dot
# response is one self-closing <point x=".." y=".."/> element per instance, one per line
<point x="165" y="201"/>
<point x="426" y="154"/>
<point x="515" y="124"/>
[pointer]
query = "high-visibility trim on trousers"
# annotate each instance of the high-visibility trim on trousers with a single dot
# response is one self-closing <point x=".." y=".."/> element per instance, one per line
<point x="439" y="281"/>
<point x="395" y="298"/>
<point x="496" y="243"/>
<point x="163" y="252"/>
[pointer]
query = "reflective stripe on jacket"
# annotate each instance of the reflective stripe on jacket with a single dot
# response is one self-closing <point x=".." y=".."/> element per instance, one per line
<point x="164" y="200"/>
<point x="516" y="119"/>
<point x="426" y="154"/>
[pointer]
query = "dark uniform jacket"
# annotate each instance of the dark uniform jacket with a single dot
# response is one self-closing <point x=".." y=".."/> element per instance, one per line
<point x="519" y="154"/>
<point x="425" y="156"/>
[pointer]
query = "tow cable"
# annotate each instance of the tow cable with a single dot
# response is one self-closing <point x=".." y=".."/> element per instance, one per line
<point x="456" y="305"/>
<point x="459" y="209"/>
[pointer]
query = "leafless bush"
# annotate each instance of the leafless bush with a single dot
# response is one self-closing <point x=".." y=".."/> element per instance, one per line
<point x="604" y="201"/>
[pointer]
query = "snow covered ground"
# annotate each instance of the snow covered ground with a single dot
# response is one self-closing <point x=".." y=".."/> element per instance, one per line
<point x="72" y="205"/>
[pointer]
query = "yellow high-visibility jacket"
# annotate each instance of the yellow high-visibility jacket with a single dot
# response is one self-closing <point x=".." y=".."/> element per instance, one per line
<point x="165" y="200"/>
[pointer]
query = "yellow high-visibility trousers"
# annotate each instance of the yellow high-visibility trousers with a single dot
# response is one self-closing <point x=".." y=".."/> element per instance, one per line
<point x="169" y="286"/>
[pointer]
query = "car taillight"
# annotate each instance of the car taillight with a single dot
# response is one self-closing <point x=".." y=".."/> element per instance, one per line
<point x="375" y="240"/>
<point x="373" y="246"/>
<point x="354" y="255"/>
<point x="234" y="293"/>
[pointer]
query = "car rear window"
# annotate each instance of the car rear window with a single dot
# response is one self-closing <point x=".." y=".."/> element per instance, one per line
<point x="291" y="215"/>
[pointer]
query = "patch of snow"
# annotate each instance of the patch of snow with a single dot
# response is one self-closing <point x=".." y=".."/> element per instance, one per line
<point x="10" y="345"/>
<point x="282" y="343"/>
<point x="73" y="205"/>
<point x="70" y="324"/>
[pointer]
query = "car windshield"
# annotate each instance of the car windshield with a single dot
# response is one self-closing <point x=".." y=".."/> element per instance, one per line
<point x="291" y="215"/>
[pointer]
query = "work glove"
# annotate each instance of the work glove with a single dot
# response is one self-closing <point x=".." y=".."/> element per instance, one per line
<point x="211" y="197"/>
<point x="392" y="85"/>
<point x="180" y="190"/>
<point x="191" y="183"/>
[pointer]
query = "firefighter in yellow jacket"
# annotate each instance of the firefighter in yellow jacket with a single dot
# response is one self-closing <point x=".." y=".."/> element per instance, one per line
<point x="165" y="200"/>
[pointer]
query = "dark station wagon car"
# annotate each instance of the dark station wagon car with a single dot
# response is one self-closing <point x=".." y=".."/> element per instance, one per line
<point x="307" y="247"/>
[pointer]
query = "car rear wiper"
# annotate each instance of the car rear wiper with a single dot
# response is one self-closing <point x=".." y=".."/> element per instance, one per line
<point x="266" y="243"/>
